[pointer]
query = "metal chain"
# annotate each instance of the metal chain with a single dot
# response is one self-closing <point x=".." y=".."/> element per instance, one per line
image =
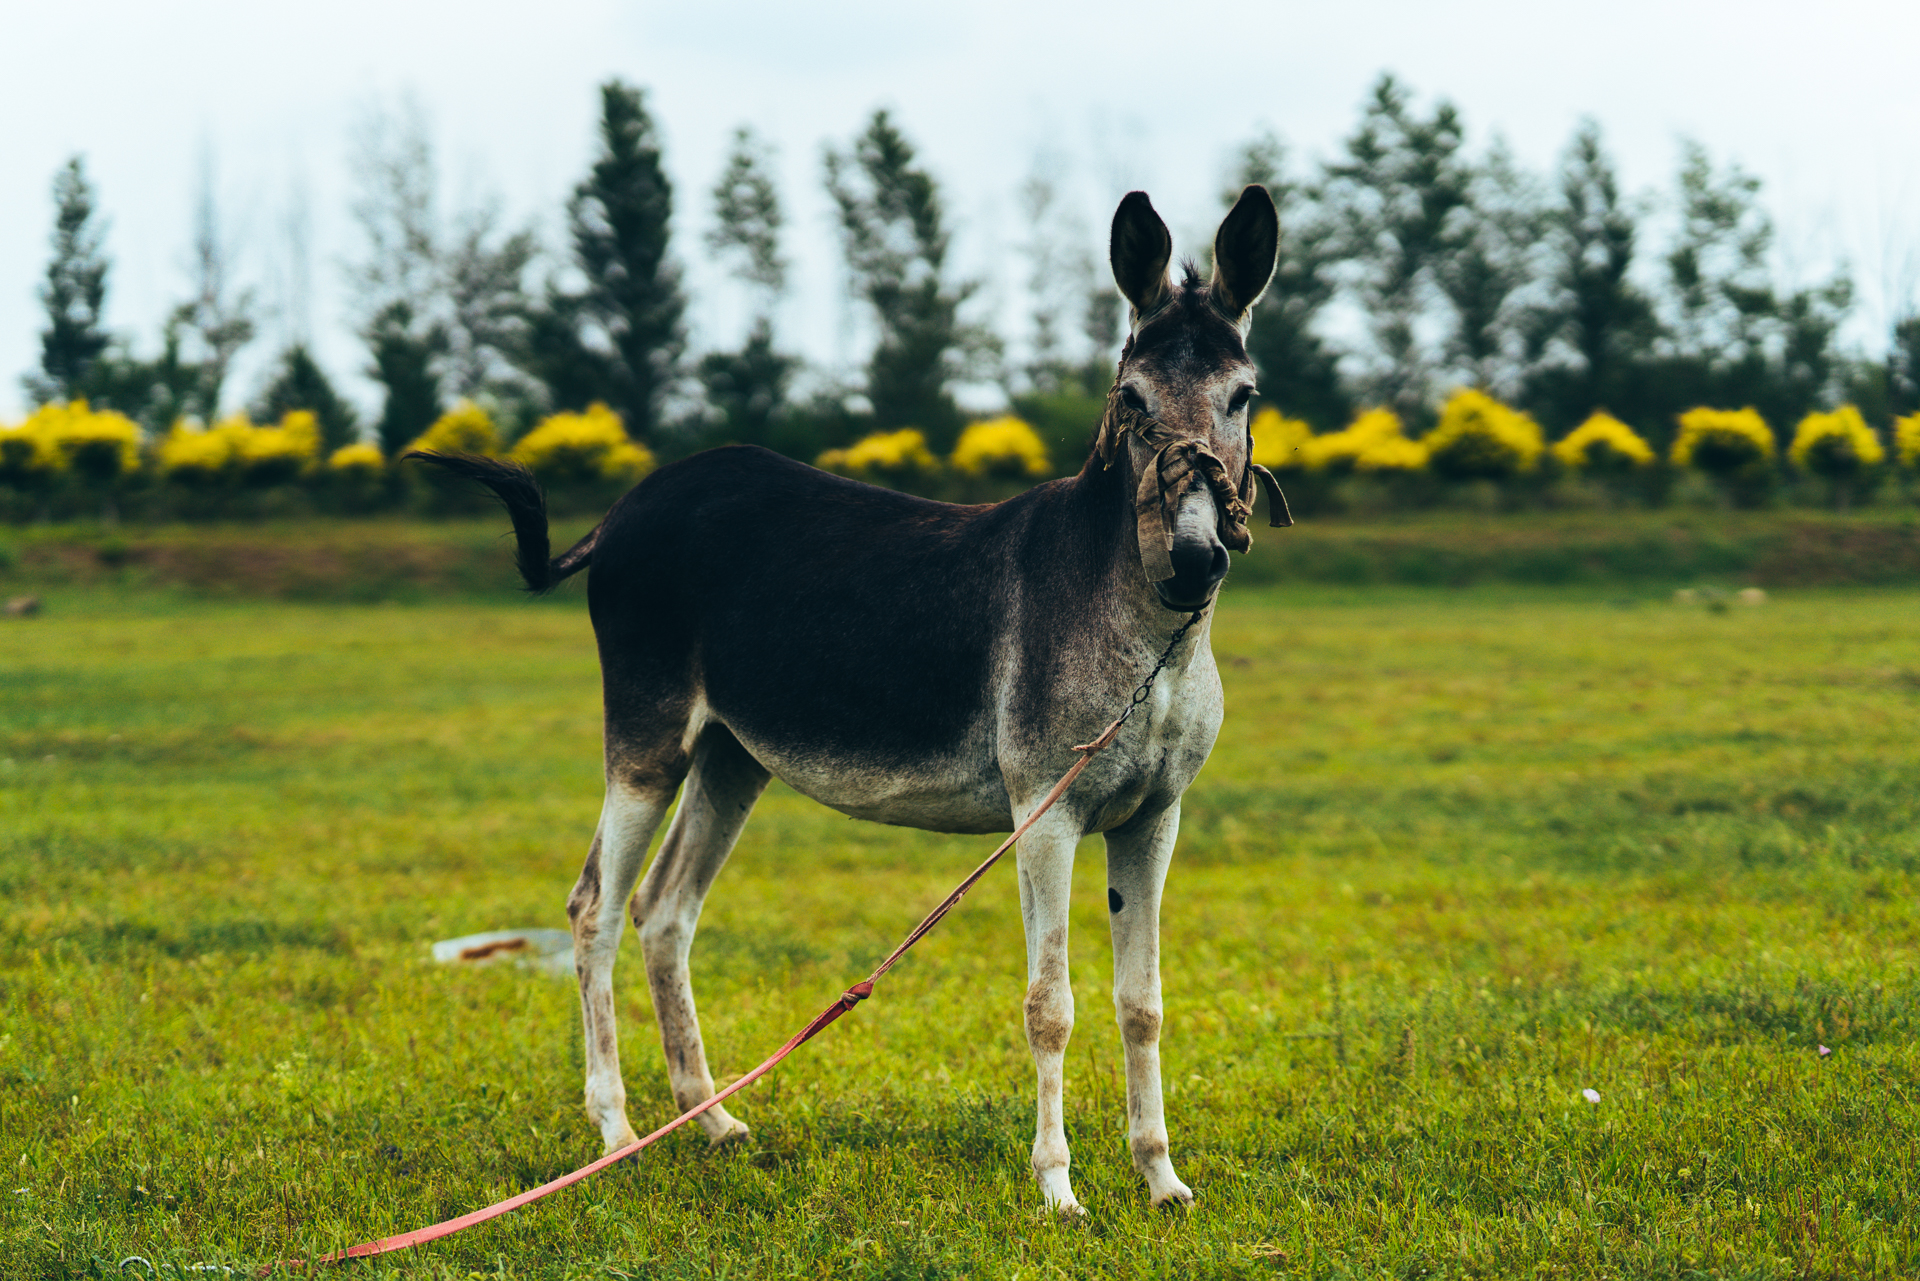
<point x="1145" y="688"/>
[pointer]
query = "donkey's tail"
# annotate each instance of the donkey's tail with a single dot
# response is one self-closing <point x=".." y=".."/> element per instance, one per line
<point x="526" y="506"/>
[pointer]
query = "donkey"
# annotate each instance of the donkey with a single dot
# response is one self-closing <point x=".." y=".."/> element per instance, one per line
<point x="928" y="665"/>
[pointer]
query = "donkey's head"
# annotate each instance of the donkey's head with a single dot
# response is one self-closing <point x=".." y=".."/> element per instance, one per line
<point x="1186" y="372"/>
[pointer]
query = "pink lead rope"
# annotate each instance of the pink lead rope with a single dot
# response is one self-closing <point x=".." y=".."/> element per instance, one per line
<point x="845" y="1002"/>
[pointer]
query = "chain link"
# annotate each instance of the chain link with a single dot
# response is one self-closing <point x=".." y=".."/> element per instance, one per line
<point x="1145" y="689"/>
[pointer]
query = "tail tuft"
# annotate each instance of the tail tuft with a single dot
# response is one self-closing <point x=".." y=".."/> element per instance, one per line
<point x="526" y="506"/>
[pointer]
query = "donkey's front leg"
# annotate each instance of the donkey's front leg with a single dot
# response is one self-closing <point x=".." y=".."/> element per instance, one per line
<point x="1046" y="881"/>
<point x="1137" y="858"/>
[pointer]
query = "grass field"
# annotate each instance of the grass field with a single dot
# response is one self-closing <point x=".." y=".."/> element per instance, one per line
<point x="1460" y="855"/>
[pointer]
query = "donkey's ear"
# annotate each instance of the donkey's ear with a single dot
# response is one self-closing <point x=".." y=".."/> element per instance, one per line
<point x="1244" y="253"/>
<point x="1140" y="249"/>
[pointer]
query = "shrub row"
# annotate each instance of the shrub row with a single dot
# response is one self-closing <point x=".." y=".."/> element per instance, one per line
<point x="1479" y="439"/>
<point x="67" y="448"/>
<point x="73" y="449"/>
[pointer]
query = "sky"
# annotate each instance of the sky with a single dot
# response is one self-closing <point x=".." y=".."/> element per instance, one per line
<point x="1820" y="101"/>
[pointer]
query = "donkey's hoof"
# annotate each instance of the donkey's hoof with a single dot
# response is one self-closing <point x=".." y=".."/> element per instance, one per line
<point x="736" y="1131"/>
<point x="1177" y="1196"/>
<point x="617" y="1141"/>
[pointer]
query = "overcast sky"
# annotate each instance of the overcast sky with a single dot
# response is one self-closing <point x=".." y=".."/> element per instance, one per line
<point x="1821" y="101"/>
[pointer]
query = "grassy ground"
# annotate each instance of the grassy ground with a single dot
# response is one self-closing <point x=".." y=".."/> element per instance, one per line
<point x="1459" y="856"/>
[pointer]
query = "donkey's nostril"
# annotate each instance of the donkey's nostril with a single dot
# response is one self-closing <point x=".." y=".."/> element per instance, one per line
<point x="1217" y="569"/>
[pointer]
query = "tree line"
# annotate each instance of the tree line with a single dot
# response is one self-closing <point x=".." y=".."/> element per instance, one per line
<point x="1411" y="265"/>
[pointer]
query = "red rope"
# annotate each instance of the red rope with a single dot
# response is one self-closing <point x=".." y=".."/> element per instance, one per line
<point x="845" y="1002"/>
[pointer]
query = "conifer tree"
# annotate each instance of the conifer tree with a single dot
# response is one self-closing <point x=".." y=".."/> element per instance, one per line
<point x="298" y="382"/>
<point x="894" y="234"/>
<point x="1395" y="194"/>
<point x="749" y="386"/>
<point x="74" y="293"/>
<point x="621" y="339"/>
<point x="1597" y="315"/>
<point x="398" y="282"/>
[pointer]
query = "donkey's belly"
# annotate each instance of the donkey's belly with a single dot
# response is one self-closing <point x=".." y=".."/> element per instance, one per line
<point x="950" y="794"/>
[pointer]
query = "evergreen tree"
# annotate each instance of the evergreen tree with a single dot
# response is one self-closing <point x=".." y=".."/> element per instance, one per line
<point x="1587" y="338"/>
<point x="1722" y="296"/>
<point x="894" y="235"/>
<point x="1395" y="194"/>
<point x="620" y="340"/>
<point x="1299" y="372"/>
<point x="405" y="359"/>
<point x="1903" y="366"/>
<point x="749" y="386"/>
<point x="1492" y="255"/>
<point x="298" y="382"/>
<point x="399" y="281"/>
<point x="75" y="291"/>
<point x="490" y="317"/>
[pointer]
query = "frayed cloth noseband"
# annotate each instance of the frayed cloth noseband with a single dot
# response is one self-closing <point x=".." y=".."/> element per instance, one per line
<point x="1167" y="464"/>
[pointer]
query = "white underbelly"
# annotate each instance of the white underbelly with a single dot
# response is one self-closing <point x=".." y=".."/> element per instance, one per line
<point x="949" y="796"/>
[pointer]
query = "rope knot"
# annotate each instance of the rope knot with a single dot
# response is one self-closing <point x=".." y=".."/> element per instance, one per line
<point x="857" y="993"/>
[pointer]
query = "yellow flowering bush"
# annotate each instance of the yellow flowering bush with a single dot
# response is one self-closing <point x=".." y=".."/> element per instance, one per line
<point x="360" y="462"/>
<point x="895" y="455"/>
<point x="1005" y="447"/>
<point x="235" y="450"/>
<point x="1375" y="435"/>
<point x="71" y="438"/>
<point x="98" y="445"/>
<point x="28" y="459"/>
<point x="1836" y="445"/>
<point x="1906" y="440"/>
<point x="1604" y="444"/>
<point x="583" y="448"/>
<point x="464" y="429"/>
<point x="1392" y="454"/>
<point x="1279" y="442"/>
<point x="1722" y="441"/>
<point x="1478" y="438"/>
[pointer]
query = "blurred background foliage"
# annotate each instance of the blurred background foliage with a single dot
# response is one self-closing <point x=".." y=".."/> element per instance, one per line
<point x="1444" y="328"/>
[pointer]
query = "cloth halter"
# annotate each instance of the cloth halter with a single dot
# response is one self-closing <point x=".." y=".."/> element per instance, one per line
<point x="1168" y="465"/>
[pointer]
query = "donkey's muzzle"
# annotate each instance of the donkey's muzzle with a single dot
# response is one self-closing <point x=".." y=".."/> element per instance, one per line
<point x="1198" y="568"/>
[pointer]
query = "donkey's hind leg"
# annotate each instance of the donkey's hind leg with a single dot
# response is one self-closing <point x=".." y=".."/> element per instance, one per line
<point x="636" y="801"/>
<point x="720" y="792"/>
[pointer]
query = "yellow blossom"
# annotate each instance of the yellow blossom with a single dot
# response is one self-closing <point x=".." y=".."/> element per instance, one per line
<point x="1836" y="444"/>
<point x="897" y="455"/>
<point x="1480" y="438"/>
<point x="582" y="448"/>
<point x="1372" y="432"/>
<point x="1605" y="442"/>
<point x="1392" y="453"/>
<point x="361" y="461"/>
<point x="97" y="444"/>
<point x="1906" y="440"/>
<point x="1722" y="441"/>
<point x="464" y="429"/>
<point x="1279" y="442"/>
<point x="1000" y="447"/>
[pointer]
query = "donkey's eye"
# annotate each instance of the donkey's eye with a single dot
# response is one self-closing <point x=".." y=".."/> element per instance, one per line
<point x="1241" y="395"/>
<point x="1132" y="400"/>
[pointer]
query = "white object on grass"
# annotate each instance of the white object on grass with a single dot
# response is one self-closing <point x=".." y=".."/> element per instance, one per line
<point x="1590" y="1094"/>
<point x="549" y="951"/>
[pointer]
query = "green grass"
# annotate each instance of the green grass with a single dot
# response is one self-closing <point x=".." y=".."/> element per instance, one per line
<point x="1458" y="856"/>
